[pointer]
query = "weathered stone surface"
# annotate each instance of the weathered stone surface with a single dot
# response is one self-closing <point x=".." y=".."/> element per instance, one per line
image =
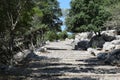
<point x="108" y="37"/>
<point x="74" y="44"/>
<point x="93" y="51"/>
<point x="84" y="36"/>
<point x="116" y="42"/>
<point x="63" y="65"/>
<point x="102" y="55"/>
<point x="83" y="45"/>
<point x="110" y="32"/>
<point x="117" y="37"/>
<point x="21" y="55"/>
<point x="117" y="47"/>
<point x="114" y="57"/>
<point x="98" y="41"/>
<point x="108" y="46"/>
<point x="110" y="58"/>
<point x="80" y="45"/>
<point x="42" y="49"/>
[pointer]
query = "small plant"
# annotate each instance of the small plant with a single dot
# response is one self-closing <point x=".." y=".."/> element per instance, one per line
<point x="63" y="35"/>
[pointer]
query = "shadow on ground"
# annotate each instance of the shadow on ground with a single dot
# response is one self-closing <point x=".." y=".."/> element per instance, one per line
<point x="83" y="78"/>
<point x="27" y="67"/>
<point x="35" y="67"/>
<point x="94" y="62"/>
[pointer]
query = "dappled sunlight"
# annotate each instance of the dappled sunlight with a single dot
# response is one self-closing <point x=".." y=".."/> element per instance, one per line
<point x="59" y="40"/>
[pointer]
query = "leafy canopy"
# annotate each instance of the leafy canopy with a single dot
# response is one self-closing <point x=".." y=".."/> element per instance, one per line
<point x="86" y="15"/>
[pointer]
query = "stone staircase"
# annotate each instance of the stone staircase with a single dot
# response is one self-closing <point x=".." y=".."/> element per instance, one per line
<point x="71" y="65"/>
<point x="62" y="63"/>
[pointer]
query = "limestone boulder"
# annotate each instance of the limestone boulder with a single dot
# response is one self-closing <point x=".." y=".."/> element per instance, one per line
<point x="117" y="47"/>
<point x="80" y="45"/>
<point x="113" y="58"/>
<point x="43" y="49"/>
<point x="74" y="44"/>
<point x="98" y="41"/>
<point x="93" y="51"/>
<point x="108" y="46"/>
<point x="83" y="45"/>
<point x="117" y="37"/>
<point x="110" y="58"/>
<point x="102" y="55"/>
<point x="108" y="37"/>
<point x="84" y="36"/>
<point x="21" y="55"/>
<point x="116" y="42"/>
<point x="109" y="32"/>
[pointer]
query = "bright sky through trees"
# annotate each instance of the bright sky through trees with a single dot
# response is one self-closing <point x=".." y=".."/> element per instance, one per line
<point x="64" y="4"/>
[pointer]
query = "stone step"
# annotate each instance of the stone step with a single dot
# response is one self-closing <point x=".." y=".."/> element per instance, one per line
<point x="89" y="76"/>
<point x="70" y="63"/>
<point x="65" y="63"/>
<point x="75" y="76"/>
<point x="45" y="75"/>
<point x="79" y="68"/>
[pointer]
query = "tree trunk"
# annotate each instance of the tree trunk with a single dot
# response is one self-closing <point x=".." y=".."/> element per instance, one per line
<point x="99" y="33"/>
<point x="32" y="45"/>
<point x="11" y="46"/>
<point x="11" y="42"/>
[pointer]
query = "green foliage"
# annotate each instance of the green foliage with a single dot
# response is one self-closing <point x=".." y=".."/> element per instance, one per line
<point x="51" y="36"/>
<point x="110" y="3"/>
<point x="46" y="19"/>
<point x="15" y="18"/>
<point x="25" y="23"/>
<point x="113" y="6"/>
<point x="15" y="11"/>
<point x="63" y="35"/>
<point x="48" y="12"/>
<point x="71" y="36"/>
<point x="86" y="15"/>
<point x="37" y="11"/>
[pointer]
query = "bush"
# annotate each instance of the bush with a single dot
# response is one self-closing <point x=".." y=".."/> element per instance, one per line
<point x="71" y="36"/>
<point x="50" y="35"/>
<point x="63" y="35"/>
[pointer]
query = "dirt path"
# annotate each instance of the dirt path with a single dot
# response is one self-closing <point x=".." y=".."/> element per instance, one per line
<point x="62" y="63"/>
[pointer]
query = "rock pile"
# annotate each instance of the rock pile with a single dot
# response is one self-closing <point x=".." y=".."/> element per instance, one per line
<point x="111" y="58"/>
<point x="81" y="40"/>
<point x="89" y="39"/>
<point x="108" y="44"/>
<point x="98" y="41"/>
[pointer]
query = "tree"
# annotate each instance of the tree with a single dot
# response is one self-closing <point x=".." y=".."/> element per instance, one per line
<point x="47" y="18"/>
<point x="24" y="23"/>
<point x="49" y="13"/>
<point x="86" y="15"/>
<point x="15" y="18"/>
<point x="113" y="6"/>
